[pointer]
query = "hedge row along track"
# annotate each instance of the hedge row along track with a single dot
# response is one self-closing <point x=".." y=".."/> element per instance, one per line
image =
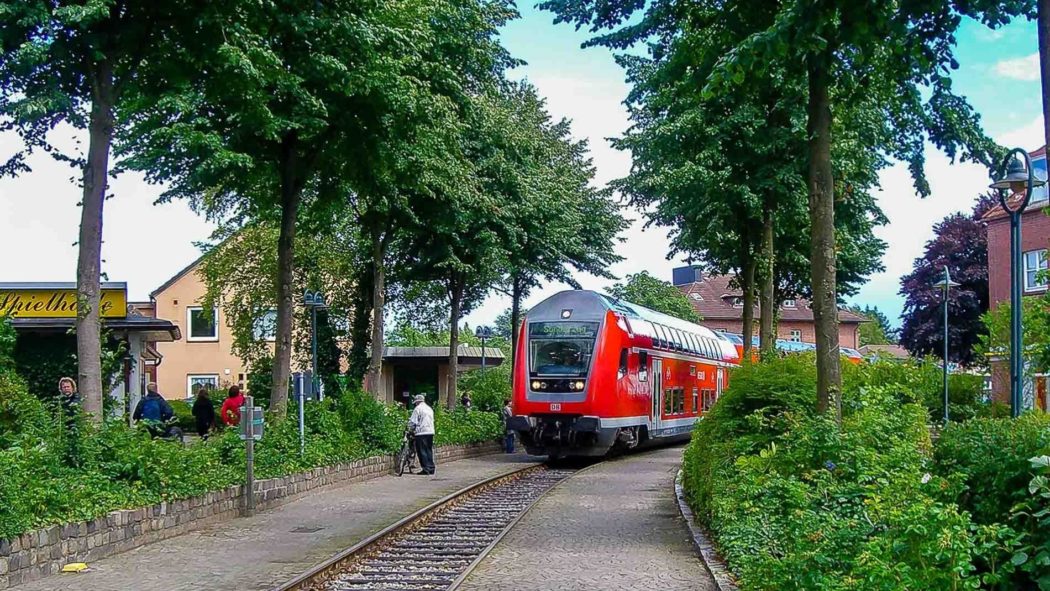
<point x="436" y="547"/>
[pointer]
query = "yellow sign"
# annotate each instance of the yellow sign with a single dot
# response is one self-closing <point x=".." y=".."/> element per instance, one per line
<point x="58" y="303"/>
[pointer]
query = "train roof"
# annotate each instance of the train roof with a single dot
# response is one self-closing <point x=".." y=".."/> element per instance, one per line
<point x="590" y="305"/>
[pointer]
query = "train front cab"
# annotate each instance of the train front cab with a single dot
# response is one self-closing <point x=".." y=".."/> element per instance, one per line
<point x="565" y="388"/>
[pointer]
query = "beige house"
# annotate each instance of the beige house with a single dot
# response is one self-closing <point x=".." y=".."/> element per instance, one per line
<point x="204" y="356"/>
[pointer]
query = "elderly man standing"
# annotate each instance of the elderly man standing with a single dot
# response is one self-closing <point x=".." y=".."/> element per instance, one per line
<point x="422" y="424"/>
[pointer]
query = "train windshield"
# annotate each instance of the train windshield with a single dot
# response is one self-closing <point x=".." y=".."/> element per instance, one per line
<point x="561" y="348"/>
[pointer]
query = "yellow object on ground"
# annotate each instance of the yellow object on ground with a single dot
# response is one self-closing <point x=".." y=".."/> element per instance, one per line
<point x="74" y="567"/>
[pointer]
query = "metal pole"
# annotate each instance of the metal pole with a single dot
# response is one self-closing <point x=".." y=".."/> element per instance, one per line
<point x="482" y="354"/>
<point x="946" y="345"/>
<point x="313" y="344"/>
<point x="249" y="454"/>
<point x="302" y="419"/>
<point x="1016" y="362"/>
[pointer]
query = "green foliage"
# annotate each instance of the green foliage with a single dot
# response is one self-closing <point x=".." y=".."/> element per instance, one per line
<point x="797" y="503"/>
<point x="1035" y="319"/>
<point x="986" y="466"/>
<point x="991" y="456"/>
<point x="184" y="415"/>
<point x="488" y="389"/>
<point x="120" y="467"/>
<point x="876" y="332"/>
<point x="925" y="382"/>
<point x="645" y="290"/>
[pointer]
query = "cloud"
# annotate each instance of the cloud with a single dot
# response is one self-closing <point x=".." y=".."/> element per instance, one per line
<point x="1022" y="68"/>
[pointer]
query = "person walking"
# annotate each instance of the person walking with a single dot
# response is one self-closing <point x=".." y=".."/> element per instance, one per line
<point x="422" y="424"/>
<point x="230" y="413"/>
<point x="508" y="441"/>
<point x="69" y="404"/>
<point x="155" y="411"/>
<point x="203" y="413"/>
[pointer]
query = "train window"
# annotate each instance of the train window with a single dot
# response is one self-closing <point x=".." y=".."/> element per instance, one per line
<point x="692" y="370"/>
<point x="623" y="364"/>
<point x="680" y="399"/>
<point x="696" y="343"/>
<point x="669" y="401"/>
<point x="643" y="366"/>
<point x="709" y="399"/>
<point x="678" y="340"/>
<point x="696" y="400"/>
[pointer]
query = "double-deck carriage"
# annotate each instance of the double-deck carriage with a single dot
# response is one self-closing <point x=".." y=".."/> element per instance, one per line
<point x="596" y="373"/>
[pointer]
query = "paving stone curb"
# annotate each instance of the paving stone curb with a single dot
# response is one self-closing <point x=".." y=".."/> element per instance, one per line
<point x="43" y="552"/>
<point x="708" y="555"/>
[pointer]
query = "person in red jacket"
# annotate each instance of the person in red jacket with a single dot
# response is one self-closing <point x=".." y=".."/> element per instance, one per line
<point x="231" y="407"/>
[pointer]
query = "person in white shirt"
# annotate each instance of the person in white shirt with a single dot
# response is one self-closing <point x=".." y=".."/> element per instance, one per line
<point x="422" y="424"/>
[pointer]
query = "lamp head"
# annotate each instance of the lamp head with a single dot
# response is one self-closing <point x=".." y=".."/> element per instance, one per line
<point x="1017" y="177"/>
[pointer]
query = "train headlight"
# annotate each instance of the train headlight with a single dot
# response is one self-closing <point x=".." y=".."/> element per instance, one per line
<point x="536" y="384"/>
<point x="579" y="385"/>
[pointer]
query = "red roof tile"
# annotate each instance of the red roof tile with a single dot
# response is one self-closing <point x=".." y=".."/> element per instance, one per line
<point x="713" y="299"/>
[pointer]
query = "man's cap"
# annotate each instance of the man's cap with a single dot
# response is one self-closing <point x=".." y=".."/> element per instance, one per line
<point x="418" y="399"/>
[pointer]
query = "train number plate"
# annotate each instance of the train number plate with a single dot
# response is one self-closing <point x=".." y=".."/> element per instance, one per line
<point x="555" y="407"/>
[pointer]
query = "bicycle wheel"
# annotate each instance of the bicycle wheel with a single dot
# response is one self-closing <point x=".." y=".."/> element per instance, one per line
<point x="402" y="460"/>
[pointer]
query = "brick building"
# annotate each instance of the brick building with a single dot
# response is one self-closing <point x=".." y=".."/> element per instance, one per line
<point x="722" y="308"/>
<point x="1035" y="237"/>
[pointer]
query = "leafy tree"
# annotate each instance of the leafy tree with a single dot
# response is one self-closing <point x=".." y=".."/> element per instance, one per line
<point x="297" y="99"/>
<point x="504" y="327"/>
<point x="78" y="63"/>
<point x="886" y="63"/>
<point x="960" y="244"/>
<point x="876" y="332"/>
<point x="645" y="290"/>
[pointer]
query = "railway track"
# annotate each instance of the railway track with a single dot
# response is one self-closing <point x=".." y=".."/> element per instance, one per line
<point x="435" y="548"/>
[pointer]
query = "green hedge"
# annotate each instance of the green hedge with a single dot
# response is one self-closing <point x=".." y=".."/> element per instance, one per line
<point x="797" y="503"/>
<point x="50" y="475"/>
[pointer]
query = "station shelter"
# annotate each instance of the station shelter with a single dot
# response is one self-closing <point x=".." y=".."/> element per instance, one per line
<point x="408" y="371"/>
<point x="44" y="316"/>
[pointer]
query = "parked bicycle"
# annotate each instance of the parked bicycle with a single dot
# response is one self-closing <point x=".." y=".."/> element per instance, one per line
<point x="407" y="456"/>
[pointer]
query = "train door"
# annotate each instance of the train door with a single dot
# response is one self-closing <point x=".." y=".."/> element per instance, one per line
<point x="658" y="395"/>
<point x="720" y="382"/>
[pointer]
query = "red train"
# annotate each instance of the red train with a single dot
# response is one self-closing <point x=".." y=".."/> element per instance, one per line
<point x="596" y="373"/>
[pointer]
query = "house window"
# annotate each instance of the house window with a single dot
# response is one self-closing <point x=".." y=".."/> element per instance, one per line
<point x="201" y="327"/>
<point x="738" y="302"/>
<point x="796" y="336"/>
<point x="1034" y="262"/>
<point x="194" y="382"/>
<point x="265" y="327"/>
<point x="789" y="304"/>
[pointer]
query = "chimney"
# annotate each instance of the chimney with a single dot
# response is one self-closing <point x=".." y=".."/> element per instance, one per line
<point x="685" y="275"/>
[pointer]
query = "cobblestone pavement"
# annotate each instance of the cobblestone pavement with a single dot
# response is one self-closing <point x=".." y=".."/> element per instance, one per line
<point x="273" y="546"/>
<point x="615" y="526"/>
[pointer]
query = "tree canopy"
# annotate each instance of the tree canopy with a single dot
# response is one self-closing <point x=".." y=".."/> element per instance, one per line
<point x="645" y="290"/>
<point x="960" y="244"/>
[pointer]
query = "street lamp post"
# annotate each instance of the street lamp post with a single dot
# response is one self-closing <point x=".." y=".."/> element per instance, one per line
<point x="313" y="300"/>
<point x="1019" y="179"/>
<point x="483" y="333"/>
<point x="945" y="285"/>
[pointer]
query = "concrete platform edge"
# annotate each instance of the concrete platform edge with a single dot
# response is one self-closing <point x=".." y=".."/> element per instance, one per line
<point x="706" y="549"/>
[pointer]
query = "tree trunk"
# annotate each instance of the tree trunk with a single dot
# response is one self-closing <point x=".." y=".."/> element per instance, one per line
<point x="455" y="293"/>
<point x="360" y="328"/>
<point x="1043" y="27"/>
<point x="96" y="174"/>
<point x="822" y="237"/>
<point x="290" y="196"/>
<point x="515" y="320"/>
<point x="766" y="301"/>
<point x="375" y="366"/>
<point x="747" y="287"/>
